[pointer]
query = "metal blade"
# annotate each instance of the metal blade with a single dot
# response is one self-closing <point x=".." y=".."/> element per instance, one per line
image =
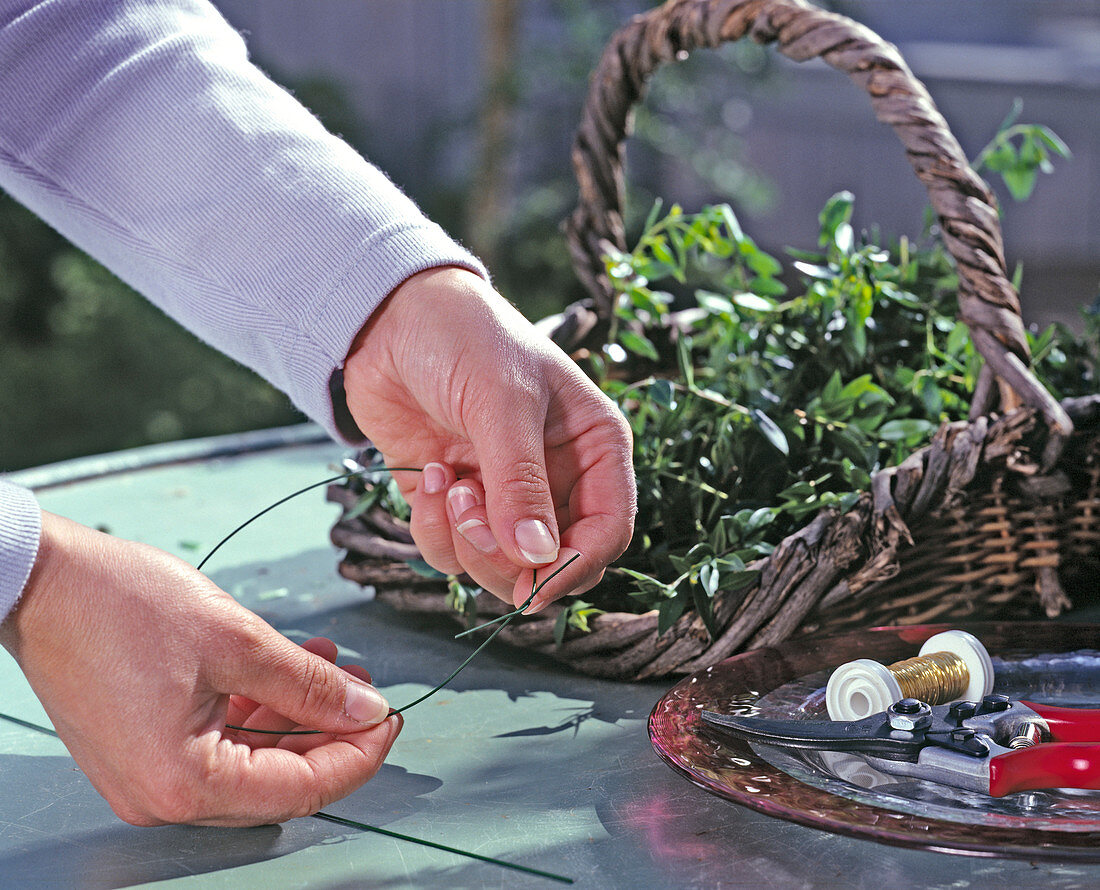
<point x="871" y="735"/>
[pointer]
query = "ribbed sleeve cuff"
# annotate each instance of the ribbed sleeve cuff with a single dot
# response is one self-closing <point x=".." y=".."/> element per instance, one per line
<point x="316" y="386"/>
<point x="20" y="528"/>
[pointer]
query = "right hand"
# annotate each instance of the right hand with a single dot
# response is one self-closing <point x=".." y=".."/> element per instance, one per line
<point x="527" y="465"/>
<point x="135" y="656"/>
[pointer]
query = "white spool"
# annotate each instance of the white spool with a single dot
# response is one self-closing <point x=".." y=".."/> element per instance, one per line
<point x="864" y="687"/>
<point x="973" y="653"/>
<point x="859" y="689"/>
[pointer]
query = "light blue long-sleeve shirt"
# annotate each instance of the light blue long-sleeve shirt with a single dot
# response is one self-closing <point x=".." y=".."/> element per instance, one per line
<point x="140" y="130"/>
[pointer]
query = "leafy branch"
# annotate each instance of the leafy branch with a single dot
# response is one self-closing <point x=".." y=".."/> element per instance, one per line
<point x="753" y="409"/>
<point x="1019" y="152"/>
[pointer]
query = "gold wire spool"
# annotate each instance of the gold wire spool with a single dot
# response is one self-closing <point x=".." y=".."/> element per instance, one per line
<point x="937" y="678"/>
<point x="952" y="665"/>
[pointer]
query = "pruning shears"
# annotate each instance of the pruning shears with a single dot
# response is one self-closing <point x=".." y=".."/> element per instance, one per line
<point x="996" y="746"/>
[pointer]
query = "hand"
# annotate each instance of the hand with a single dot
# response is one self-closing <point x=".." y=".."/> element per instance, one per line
<point x="134" y="655"/>
<point x="525" y="462"/>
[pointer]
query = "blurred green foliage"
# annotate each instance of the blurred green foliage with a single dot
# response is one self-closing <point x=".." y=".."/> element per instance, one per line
<point x="1020" y="152"/>
<point x="692" y="119"/>
<point x="88" y="366"/>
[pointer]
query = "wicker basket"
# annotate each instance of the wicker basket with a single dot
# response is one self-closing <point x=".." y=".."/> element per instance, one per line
<point x="998" y="517"/>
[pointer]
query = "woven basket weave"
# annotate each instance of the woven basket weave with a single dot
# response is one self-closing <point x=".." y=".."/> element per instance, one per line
<point x="998" y="517"/>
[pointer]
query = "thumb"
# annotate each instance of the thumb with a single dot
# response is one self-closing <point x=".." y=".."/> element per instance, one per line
<point x="518" y="501"/>
<point x="304" y="687"/>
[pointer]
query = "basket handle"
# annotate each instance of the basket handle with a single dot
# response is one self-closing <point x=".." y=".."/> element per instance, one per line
<point x="967" y="211"/>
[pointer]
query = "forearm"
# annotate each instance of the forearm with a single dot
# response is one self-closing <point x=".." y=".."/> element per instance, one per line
<point x="141" y="131"/>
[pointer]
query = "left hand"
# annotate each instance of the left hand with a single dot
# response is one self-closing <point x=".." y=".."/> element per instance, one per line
<point x="140" y="661"/>
<point x="525" y="462"/>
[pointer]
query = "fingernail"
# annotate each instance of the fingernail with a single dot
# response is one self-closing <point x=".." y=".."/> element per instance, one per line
<point x="435" y="478"/>
<point x="479" y="535"/>
<point x="535" y="541"/>
<point x="460" y="500"/>
<point x="365" y="704"/>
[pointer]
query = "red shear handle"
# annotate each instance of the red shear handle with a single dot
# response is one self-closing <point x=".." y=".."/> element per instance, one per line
<point x="1053" y="765"/>
<point x="1069" y="724"/>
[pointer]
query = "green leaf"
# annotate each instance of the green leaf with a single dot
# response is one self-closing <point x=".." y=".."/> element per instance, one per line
<point x="730" y="563"/>
<point x="754" y="302"/>
<point x="1053" y="141"/>
<point x="681" y="564"/>
<point x="1013" y="115"/>
<point x="844" y="238"/>
<point x="771" y="430"/>
<point x="367" y="500"/>
<point x="638" y="344"/>
<point x="837" y="212"/>
<point x="854" y="475"/>
<point x="560" y="624"/>
<point x="903" y="430"/>
<point x="424" y="570"/>
<point x="1020" y="180"/>
<point x="700" y="552"/>
<point x="834" y="390"/>
<point x="857" y="338"/>
<point x="798" y="491"/>
<point x="577" y="615"/>
<point x="714" y="303"/>
<point x="763" y="264"/>
<point x="732" y="225"/>
<point x="662" y="392"/>
<point x="708" y="578"/>
<point x="931" y="397"/>
<point x="767" y="287"/>
<point x="823" y="273"/>
<point x="704" y="606"/>
<point x="760" y="518"/>
<point x="648" y="585"/>
<point x="850" y="445"/>
<point x="669" y="612"/>
<point x="957" y="339"/>
<point x="864" y="388"/>
<point x="739" y="580"/>
<point x="462" y="598"/>
<point x="684" y="361"/>
<point x="654" y="213"/>
<point x="1001" y="158"/>
<point x="806" y="256"/>
<point x="580" y="612"/>
<point x="1032" y="151"/>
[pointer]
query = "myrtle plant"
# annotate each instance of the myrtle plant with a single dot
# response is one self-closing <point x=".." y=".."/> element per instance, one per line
<point x="759" y="403"/>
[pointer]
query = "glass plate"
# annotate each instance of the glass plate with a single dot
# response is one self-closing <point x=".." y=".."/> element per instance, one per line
<point x="1045" y="662"/>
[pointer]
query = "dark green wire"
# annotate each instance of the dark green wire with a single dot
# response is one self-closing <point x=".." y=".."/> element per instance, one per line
<point x="503" y="620"/>
<point x="339" y="820"/>
<point x="362" y="826"/>
<point x="507" y="620"/>
<point x="310" y="487"/>
<point x="28" y="725"/>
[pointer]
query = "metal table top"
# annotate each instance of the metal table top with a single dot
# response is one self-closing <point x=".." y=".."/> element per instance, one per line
<point x="520" y="759"/>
